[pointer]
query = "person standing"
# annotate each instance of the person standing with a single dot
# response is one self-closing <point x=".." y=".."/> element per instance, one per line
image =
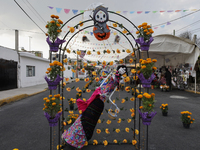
<point x="168" y="78"/>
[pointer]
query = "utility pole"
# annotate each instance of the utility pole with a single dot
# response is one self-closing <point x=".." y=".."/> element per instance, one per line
<point x="174" y="32"/>
<point x="30" y="43"/>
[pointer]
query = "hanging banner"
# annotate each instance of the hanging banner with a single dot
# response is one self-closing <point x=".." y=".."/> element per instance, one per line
<point x="139" y="12"/>
<point x="66" y="11"/>
<point x="50" y="7"/>
<point x="74" y="11"/>
<point x="131" y="12"/>
<point x="58" y="10"/>
<point x="146" y="12"/>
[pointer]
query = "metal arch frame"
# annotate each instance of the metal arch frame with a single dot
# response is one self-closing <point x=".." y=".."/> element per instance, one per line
<point x="138" y="48"/>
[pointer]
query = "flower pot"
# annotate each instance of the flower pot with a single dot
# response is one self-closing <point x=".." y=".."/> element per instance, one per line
<point x="144" y="46"/>
<point x="53" y="121"/>
<point x="146" y="83"/>
<point x="187" y="126"/>
<point x="71" y="107"/>
<point x="164" y="113"/>
<point x="54" y="46"/>
<point x="53" y="84"/>
<point x="147" y="117"/>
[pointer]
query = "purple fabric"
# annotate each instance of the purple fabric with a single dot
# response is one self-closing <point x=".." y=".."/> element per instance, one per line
<point x="144" y="46"/>
<point x="145" y="120"/>
<point x="54" y="46"/>
<point x="53" y="84"/>
<point x="52" y="122"/>
<point x="146" y="83"/>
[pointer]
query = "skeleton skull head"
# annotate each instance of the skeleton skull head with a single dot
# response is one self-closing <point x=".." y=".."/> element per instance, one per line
<point x="100" y="16"/>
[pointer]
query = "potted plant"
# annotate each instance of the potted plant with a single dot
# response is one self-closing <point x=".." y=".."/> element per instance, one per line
<point x="145" y="72"/>
<point x="164" y="109"/>
<point x="54" y="30"/>
<point x="144" y="36"/>
<point x="52" y="109"/>
<point x="186" y="119"/>
<point x="71" y="102"/>
<point x="146" y="110"/>
<point x="54" y="73"/>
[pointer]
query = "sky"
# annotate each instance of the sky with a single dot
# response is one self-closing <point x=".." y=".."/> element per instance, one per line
<point x="31" y="37"/>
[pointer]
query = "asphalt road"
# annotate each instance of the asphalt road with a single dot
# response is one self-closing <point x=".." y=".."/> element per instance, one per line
<point x="23" y="125"/>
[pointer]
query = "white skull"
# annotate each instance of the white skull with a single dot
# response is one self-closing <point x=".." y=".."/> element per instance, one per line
<point x="100" y="16"/>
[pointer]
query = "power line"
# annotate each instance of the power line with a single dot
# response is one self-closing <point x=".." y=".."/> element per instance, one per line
<point x="36" y="11"/>
<point x="177" y="18"/>
<point x="188" y="25"/>
<point x="29" y="16"/>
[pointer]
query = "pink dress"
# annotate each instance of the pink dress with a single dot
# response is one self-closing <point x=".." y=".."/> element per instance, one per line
<point x="75" y="135"/>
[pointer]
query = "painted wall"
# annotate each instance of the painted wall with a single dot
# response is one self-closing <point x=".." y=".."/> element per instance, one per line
<point x="8" y="54"/>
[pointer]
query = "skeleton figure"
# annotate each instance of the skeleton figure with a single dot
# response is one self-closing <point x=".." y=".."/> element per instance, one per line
<point x="100" y="17"/>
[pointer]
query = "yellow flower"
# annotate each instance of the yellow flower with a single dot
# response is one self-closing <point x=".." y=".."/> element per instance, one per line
<point x="127" y="89"/>
<point x="83" y="70"/>
<point x="134" y="142"/>
<point x="94" y="73"/>
<point x="128" y="120"/>
<point x="71" y="112"/>
<point x="133" y="71"/>
<point x="117" y="130"/>
<point x="73" y="70"/>
<point x="99" y="121"/>
<point x="53" y="98"/>
<point x="127" y="130"/>
<point x="108" y="51"/>
<point x="87" y="79"/>
<point x="128" y="51"/>
<point x="80" y="111"/>
<point x="118" y="51"/>
<point x="127" y="79"/>
<point x="154" y="60"/>
<point x="98" y="131"/>
<point x="95" y="142"/>
<point x="67" y="79"/>
<point x="140" y="96"/>
<point x="77" y="89"/>
<point x="47" y="101"/>
<point x="94" y="64"/>
<point x="88" y="52"/>
<point x="107" y="131"/>
<point x="88" y="90"/>
<point x="53" y="104"/>
<point x="86" y="143"/>
<point x="154" y="68"/>
<point x="81" y="23"/>
<point x="108" y="122"/>
<point x="132" y="110"/>
<point x="143" y="67"/>
<point x="78" y="52"/>
<point x="137" y="32"/>
<point x="141" y="107"/>
<point x="72" y="29"/>
<point x="133" y="115"/>
<point x="115" y="25"/>
<point x="15" y="149"/>
<point x="77" y="79"/>
<point x="97" y="79"/>
<point x="98" y="53"/>
<point x="68" y="51"/>
<point x="104" y="63"/>
<point x="121" y="61"/>
<point x="105" y="142"/>
<point x="136" y="131"/>
<point x="114" y="141"/>
<point x="84" y="64"/>
<point x="132" y="98"/>
<point x="130" y="60"/>
<point x="119" y="120"/>
<point x="124" y="31"/>
<point x="84" y="99"/>
<point x="68" y="89"/>
<point x="111" y="63"/>
<point x="123" y="101"/>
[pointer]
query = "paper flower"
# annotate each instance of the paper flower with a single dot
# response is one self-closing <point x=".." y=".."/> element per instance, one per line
<point x="108" y="122"/>
<point x="117" y="130"/>
<point x="127" y="130"/>
<point x="98" y="131"/>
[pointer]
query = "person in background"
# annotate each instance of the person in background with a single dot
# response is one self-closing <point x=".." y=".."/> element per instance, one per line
<point x="168" y="77"/>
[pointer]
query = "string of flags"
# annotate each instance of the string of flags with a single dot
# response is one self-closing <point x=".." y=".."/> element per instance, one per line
<point x="76" y="11"/>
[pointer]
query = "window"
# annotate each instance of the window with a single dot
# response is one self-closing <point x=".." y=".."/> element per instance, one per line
<point x="30" y="71"/>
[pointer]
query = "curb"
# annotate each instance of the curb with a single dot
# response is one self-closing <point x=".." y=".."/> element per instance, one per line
<point x="192" y="91"/>
<point x="17" y="98"/>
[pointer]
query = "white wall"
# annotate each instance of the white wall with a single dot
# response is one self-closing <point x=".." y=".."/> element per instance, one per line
<point x="41" y="65"/>
<point x="8" y="54"/>
<point x="67" y="73"/>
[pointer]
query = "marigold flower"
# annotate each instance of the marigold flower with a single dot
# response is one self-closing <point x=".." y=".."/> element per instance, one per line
<point x="117" y="130"/>
<point x="108" y="122"/>
<point x="95" y="142"/>
<point x="99" y="121"/>
<point x="132" y="110"/>
<point x="66" y="79"/>
<point x="133" y="71"/>
<point x="77" y="89"/>
<point x="133" y="114"/>
<point x="46" y="34"/>
<point x="94" y="73"/>
<point x="105" y="142"/>
<point x="72" y="29"/>
<point x="58" y="24"/>
<point x="137" y="32"/>
<point x="77" y="79"/>
<point x="136" y="131"/>
<point x="104" y="63"/>
<point x="150" y="105"/>
<point x="78" y="52"/>
<point x="53" y="98"/>
<point x="121" y="61"/>
<point x="86" y="79"/>
<point x="52" y="16"/>
<point x="81" y="23"/>
<point x="154" y="68"/>
<point x="134" y="142"/>
<point x="123" y="101"/>
<point x="68" y="51"/>
<point x="152" y="94"/>
<point x="130" y="60"/>
<point x="53" y="104"/>
<point x="141" y="107"/>
<point x="119" y="120"/>
<point x="88" y="52"/>
<point x="132" y="98"/>
<point x="124" y="141"/>
<point x="57" y="17"/>
<point x="154" y="60"/>
<point x="111" y="63"/>
<point x="143" y="67"/>
<point x="88" y="90"/>
<point x="103" y="73"/>
<point x="128" y="120"/>
<point x="139" y="96"/>
<point x="84" y="64"/>
<point x="127" y="130"/>
<point x="49" y="69"/>
<point x="86" y="143"/>
<point x="60" y="21"/>
<point x="115" y="25"/>
<point x="97" y="79"/>
<point x="98" y="52"/>
<point x="127" y="89"/>
<point x="118" y="51"/>
<point x="52" y="21"/>
<point x="84" y="99"/>
<point x="114" y="141"/>
<point x="107" y="131"/>
<point x="94" y="64"/>
<point x="47" y="101"/>
<point x="80" y="111"/>
<point x="108" y="51"/>
<point x="98" y="131"/>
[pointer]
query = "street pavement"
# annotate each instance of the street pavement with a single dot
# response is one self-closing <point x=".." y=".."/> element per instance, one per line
<point x="24" y="126"/>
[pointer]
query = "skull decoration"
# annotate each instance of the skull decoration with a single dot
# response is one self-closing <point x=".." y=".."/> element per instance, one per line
<point x="101" y="30"/>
